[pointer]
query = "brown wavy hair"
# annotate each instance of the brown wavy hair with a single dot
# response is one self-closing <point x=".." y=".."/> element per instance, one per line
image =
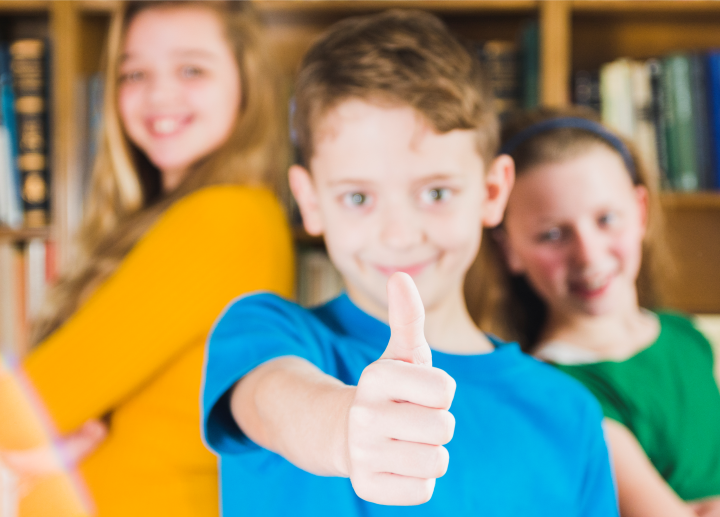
<point x="397" y="57"/>
<point x="506" y="304"/>
<point x="125" y="197"/>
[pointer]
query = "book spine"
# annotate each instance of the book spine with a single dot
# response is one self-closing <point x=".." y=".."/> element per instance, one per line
<point x="615" y="89"/>
<point x="657" y="112"/>
<point x="645" y="138"/>
<point x="14" y="213"/>
<point x="500" y="62"/>
<point x="586" y="89"/>
<point x="698" y="83"/>
<point x="713" y="90"/>
<point x="684" y="146"/>
<point x="28" y="69"/>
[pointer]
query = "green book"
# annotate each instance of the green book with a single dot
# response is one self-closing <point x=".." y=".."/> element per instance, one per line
<point x="682" y="144"/>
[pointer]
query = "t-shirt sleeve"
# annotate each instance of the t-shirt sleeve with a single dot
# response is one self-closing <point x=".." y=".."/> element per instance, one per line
<point x="252" y="330"/>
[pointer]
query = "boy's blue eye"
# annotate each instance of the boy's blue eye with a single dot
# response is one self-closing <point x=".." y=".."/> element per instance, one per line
<point x="607" y="219"/>
<point x="355" y="199"/>
<point x="436" y="195"/>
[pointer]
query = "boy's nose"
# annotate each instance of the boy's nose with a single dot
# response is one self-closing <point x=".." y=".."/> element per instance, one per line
<point x="400" y="229"/>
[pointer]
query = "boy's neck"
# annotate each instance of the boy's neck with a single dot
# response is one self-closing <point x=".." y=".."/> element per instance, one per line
<point x="448" y="325"/>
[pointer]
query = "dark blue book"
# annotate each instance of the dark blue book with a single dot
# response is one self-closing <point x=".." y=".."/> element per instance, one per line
<point x="713" y="95"/>
<point x="9" y="120"/>
<point x="698" y="83"/>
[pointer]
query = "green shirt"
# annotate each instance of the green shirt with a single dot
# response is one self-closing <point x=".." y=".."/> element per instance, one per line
<point x="667" y="396"/>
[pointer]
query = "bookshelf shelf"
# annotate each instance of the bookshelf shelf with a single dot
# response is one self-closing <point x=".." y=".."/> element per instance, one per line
<point x="645" y="6"/>
<point x="345" y="7"/>
<point x="23" y="6"/>
<point x="98" y="6"/>
<point x="691" y="201"/>
<point x="23" y="234"/>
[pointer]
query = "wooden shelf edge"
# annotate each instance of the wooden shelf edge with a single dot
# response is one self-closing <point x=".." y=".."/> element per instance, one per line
<point x="23" y="234"/>
<point x="98" y="6"/>
<point x="694" y="200"/>
<point x="645" y="6"/>
<point x="30" y="6"/>
<point x="346" y="6"/>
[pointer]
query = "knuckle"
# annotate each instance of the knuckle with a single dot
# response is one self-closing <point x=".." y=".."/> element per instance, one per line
<point x="424" y="490"/>
<point x="447" y="427"/>
<point x="441" y="462"/>
<point x="361" y="417"/>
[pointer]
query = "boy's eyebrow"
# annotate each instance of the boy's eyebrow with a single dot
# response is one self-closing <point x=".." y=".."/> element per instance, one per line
<point x="349" y="181"/>
<point x="439" y="176"/>
<point x="177" y="53"/>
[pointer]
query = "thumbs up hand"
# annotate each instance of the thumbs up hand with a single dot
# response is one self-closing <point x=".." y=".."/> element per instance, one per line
<point x="399" y="418"/>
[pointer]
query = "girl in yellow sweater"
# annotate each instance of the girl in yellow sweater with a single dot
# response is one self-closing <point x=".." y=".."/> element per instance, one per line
<point x="179" y="221"/>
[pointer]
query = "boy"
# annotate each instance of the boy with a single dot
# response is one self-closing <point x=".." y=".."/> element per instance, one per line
<point x="399" y="138"/>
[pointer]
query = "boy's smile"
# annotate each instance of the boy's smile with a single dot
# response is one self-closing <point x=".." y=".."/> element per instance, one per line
<point x="391" y="194"/>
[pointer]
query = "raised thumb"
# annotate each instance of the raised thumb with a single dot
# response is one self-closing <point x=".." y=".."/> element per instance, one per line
<point x="406" y="316"/>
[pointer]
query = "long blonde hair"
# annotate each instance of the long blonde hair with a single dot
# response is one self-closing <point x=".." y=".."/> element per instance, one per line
<point x="125" y="197"/>
<point x="506" y="304"/>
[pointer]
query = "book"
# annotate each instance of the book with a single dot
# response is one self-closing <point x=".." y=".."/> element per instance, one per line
<point x="657" y="112"/>
<point x="713" y="93"/>
<point x="586" y="89"/>
<point x="698" y="84"/>
<point x="10" y="178"/>
<point x="644" y="128"/>
<point x="680" y="129"/>
<point x="500" y="64"/>
<point x="28" y="69"/>
<point x="616" y="91"/>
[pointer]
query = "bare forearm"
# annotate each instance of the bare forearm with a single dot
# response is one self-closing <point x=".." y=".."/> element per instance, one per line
<point x="290" y="407"/>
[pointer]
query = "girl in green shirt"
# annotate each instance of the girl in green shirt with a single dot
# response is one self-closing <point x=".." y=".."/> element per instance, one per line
<point x="577" y="246"/>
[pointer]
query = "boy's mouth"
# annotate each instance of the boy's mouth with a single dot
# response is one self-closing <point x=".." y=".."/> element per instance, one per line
<point x="412" y="269"/>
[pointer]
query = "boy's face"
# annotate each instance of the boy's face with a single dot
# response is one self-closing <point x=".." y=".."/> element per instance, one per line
<point x="391" y="194"/>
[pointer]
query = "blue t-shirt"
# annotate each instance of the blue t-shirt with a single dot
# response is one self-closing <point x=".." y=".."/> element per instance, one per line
<point x="528" y="439"/>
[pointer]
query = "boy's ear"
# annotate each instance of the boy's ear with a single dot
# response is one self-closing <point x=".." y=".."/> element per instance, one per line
<point x="303" y="189"/>
<point x="499" y="180"/>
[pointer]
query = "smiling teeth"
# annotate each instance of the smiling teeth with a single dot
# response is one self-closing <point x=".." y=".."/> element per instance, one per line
<point x="165" y="126"/>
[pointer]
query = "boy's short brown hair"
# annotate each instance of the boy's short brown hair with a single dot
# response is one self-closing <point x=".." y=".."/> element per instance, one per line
<point x="404" y="57"/>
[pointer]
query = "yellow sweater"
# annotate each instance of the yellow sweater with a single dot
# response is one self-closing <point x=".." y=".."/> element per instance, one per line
<point x="135" y="349"/>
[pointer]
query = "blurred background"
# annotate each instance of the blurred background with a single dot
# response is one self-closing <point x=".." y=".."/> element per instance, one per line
<point x="650" y="67"/>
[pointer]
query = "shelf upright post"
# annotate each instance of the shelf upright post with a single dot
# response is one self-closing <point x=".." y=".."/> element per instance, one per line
<point x="554" y="52"/>
<point x="64" y="30"/>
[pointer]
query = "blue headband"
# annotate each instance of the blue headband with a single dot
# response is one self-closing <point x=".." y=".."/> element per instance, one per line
<point x="573" y="123"/>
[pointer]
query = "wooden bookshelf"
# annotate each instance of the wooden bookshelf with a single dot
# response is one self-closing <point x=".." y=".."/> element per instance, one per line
<point x="23" y="234"/>
<point x="580" y="34"/>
